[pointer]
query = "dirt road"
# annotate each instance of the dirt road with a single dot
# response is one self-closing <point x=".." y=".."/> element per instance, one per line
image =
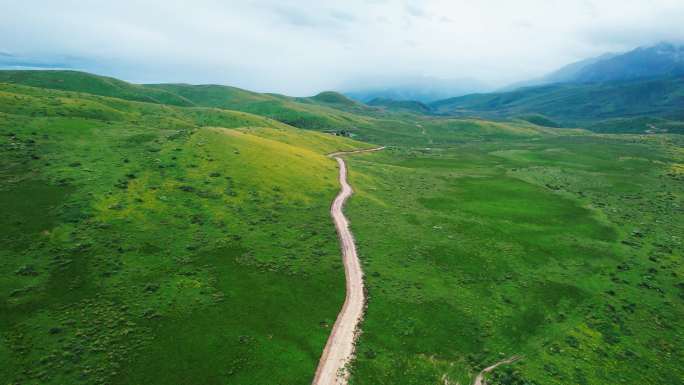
<point x="479" y="380"/>
<point x="339" y="350"/>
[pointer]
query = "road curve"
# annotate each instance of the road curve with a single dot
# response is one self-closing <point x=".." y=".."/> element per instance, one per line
<point x="479" y="380"/>
<point x="339" y="350"/>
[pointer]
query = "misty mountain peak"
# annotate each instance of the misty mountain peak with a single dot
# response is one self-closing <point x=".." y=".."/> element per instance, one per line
<point x="661" y="59"/>
<point x="669" y="50"/>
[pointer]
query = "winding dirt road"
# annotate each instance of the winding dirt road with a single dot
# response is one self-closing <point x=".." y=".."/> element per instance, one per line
<point x="339" y="350"/>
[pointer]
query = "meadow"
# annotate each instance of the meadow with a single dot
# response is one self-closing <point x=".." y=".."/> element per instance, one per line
<point x="565" y="251"/>
<point x="181" y="234"/>
<point x="142" y="247"/>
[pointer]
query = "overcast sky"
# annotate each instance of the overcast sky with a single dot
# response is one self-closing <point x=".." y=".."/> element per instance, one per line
<point x="302" y="47"/>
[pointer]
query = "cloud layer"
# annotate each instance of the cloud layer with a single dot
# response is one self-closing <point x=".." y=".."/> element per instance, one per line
<point x="300" y="48"/>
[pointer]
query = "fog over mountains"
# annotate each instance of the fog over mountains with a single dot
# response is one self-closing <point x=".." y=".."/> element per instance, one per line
<point x="662" y="59"/>
<point x="651" y="61"/>
<point x="423" y="89"/>
<point x="635" y="91"/>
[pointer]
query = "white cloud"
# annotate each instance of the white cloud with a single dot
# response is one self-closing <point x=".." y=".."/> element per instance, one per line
<point x="299" y="47"/>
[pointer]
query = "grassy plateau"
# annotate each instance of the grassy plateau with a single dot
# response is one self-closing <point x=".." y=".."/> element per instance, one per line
<point x="566" y="251"/>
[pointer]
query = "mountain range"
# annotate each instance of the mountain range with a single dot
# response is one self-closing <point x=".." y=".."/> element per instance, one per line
<point x="662" y="59"/>
<point x="629" y="92"/>
<point x="644" y="82"/>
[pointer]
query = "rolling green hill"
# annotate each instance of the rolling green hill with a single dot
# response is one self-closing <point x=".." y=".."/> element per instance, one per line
<point x="190" y="241"/>
<point x="93" y="84"/>
<point x="335" y="98"/>
<point x="324" y="112"/>
<point x="312" y="113"/>
<point x="569" y="105"/>
<point x="146" y="243"/>
<point x="577" y="104"/>
<point x="401" y="105"/>
<point x="328" y="111"/>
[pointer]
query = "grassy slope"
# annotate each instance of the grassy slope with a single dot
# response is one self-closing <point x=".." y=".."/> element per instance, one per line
<point x="149" y="245"/>
<point x="578" y="103"/>
<point x="93" y="84"/>
<point x="638" y="125"/>
<point x="310" y="113"/>
<point x="327" y="111"/>
<point x="566" y="250"/>
<point x="410" y="106"/>
<point x="142" y="247"/>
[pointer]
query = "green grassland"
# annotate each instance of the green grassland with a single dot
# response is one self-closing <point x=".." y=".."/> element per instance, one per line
<point x="181" y="234"/>
<point x="328" y="111"/>
<point x="92" y="84"/>
<point x="645" y="124"/>
<point x="613" y="107"/>
<point x="141" y="246"/>
<point x="325" y="111"/>
<point x="565" y="250"/>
